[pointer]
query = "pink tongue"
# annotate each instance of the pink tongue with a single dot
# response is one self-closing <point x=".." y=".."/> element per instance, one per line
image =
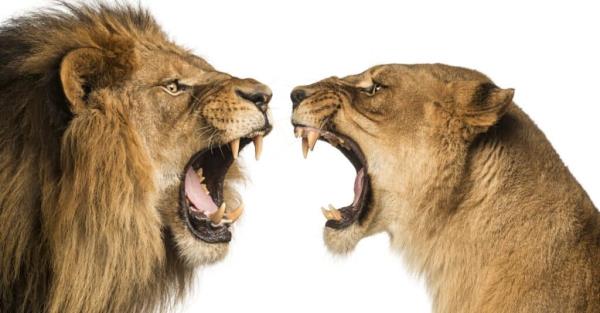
<point x="196" y="194"/>
<point x="358" y="184"/>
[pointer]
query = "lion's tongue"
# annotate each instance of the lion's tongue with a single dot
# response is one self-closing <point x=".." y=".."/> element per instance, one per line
<point x="358" y="185"/>
<point x="196" y="194"/>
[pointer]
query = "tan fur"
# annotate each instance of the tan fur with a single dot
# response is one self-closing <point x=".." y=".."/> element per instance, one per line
<point x="92" y="149"/>
<point x="469" y="189"/>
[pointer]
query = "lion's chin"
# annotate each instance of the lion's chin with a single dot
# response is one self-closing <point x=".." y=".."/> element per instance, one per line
<point x="194" y="252"/>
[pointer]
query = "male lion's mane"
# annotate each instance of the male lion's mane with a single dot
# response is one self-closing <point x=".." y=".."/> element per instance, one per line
<point x="77" y="229"/>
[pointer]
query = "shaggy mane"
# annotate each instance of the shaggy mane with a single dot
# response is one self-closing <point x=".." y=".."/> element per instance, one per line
<point x="71" y="182"/>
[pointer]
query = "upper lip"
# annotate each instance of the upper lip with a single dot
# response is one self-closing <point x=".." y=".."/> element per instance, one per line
<point x="356" y="211"/>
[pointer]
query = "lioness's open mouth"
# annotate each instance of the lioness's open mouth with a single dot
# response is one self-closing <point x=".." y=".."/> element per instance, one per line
<point x="203" y="207"/>
<point x="346" y="216"/>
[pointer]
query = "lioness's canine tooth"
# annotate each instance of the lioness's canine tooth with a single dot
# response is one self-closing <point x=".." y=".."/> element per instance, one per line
<point x="336" y="215"/>
<point x="235" y="148"/>
<point x="235" y="214"/>
<point x="218" y="215"/>
<point x="325" y="213"/>
<point x="333" y="213"/>
<point x="304" y="147"/>
<point x="258" y="140"/>
<point x="312" y="136"/>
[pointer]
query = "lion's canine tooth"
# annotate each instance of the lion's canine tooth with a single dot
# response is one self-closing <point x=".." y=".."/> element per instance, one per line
<point x="235" y="214"/>
<point x="258" y="140"/>
<point x="218" y="215"/>
<point x="199" y="172"/>
<point x="304" y="147"/>
<point x="205" y="189"/>
<point x="235" y="148"/>
<point x="312" y="136"/>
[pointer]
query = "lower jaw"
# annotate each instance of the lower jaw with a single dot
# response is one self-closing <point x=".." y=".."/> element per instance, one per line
<point x="355" y="213"/>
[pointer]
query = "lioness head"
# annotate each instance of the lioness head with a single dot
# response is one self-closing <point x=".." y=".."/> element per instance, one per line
<point x="402" y="127"/>
<point x="121" y="151"/>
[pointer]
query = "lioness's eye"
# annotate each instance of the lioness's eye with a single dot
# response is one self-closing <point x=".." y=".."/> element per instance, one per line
<point x="372" y="89"/>
<point x="173" y="87"/>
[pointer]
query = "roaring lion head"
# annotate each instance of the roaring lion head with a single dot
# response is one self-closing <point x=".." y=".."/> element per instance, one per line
<point x="117" y="156"/>
<point x="465" y="184"/>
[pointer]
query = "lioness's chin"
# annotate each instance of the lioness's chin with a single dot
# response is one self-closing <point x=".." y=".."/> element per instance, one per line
<point x="343" y="241"/>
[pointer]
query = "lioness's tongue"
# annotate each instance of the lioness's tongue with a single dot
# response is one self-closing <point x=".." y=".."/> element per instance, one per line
<point x="358" y="185"/>
<point x="196" y="194"/>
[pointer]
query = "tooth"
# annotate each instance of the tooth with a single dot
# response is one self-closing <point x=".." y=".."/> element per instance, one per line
<point x="235" y="214"/>
<point x="217" y="216"/>
<point x="299" y="132"/>
<point x="258" y="140"/>
<point x="312" y="136"/>
<point x="326" y="213"/>
<point x="235" y="148"/>
<point x="205" y="188"/>
<point x="305" y="147"/>
<point x="199" y="172"/>
<point x="335" y="213"/>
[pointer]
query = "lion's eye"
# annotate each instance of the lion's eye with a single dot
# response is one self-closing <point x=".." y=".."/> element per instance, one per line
<point x="173" y="87"/>
<point x="373" y="89"/>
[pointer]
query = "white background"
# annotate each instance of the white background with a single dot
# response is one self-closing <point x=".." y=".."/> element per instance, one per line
<point x="547" y="51"/>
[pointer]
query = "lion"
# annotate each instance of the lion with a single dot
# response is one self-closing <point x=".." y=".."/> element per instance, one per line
<point x="467" y="187"/>
<point x="117" y="161"/>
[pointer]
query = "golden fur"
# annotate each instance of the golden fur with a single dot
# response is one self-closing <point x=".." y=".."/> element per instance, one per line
<point x="91" y="152"/>
<point x="469" y="189"/>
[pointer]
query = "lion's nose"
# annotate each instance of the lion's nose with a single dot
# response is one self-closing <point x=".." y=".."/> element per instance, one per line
<point x="259" y="96"/>
<point x="298" y="94"/>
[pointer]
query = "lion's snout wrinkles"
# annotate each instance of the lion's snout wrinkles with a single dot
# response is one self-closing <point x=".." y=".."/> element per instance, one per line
<point x="239" y="108"/>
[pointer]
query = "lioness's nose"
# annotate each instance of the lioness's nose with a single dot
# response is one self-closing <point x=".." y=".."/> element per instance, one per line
<point x="298" y="94"/>
<point x="258" y="94"/>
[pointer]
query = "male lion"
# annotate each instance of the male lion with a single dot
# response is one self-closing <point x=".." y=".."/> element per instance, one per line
<point x="464" y="183"/>
<point x="108" y="130"/>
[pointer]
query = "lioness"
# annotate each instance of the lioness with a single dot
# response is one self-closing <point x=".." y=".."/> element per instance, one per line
<point x="465" y="184"/>
<point x="116" y="150"/>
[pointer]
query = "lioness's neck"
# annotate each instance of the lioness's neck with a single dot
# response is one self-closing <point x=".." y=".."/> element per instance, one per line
<point x="511" y="190"/>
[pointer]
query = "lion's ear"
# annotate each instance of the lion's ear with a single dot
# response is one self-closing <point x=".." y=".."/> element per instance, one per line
<point x="480" y="105"/>
<point x="85" y="69"/>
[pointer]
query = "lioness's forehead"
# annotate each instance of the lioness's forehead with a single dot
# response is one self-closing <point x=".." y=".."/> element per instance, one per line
<point x="437" y="72"/>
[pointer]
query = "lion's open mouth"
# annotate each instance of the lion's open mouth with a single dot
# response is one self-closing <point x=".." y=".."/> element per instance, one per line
<point x="346" y="216"/>
<point x="202" y="202"/>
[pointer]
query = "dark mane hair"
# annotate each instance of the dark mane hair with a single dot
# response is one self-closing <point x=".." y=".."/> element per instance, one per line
<point x="49" y="208"/>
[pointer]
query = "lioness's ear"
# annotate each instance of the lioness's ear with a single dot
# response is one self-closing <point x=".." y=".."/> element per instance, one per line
<point x="480" y="105"/>
<point x="85" y="69"/>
